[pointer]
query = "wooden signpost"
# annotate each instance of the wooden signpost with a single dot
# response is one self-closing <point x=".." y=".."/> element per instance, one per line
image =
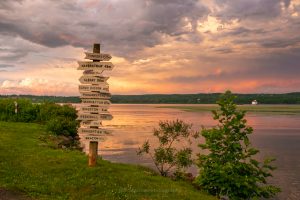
<point x="95" y="97"/>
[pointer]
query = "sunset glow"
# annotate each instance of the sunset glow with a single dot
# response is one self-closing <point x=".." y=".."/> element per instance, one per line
<point x="165" y="46"/>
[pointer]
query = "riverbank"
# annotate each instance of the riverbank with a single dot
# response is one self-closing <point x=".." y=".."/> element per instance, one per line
<point x="28" y="166"/>
<point x="279" y="109"/>
<point x="203" y="98"/>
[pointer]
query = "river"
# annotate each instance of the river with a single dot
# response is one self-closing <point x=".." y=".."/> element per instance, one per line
<point x="274" y="134"/>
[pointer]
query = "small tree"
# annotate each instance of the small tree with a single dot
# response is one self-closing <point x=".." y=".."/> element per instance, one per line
<point x="229" y="168"/>
<point x="166" y="156"/>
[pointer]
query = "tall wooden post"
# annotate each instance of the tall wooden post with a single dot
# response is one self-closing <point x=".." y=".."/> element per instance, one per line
<point x="95" y="100"/>
<point x="93" y="153"/>
<point x="93" y="146"/>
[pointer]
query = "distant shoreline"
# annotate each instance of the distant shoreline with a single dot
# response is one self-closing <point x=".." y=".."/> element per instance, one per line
<point x="274" y="109"/>
<point x="201" y="98"/>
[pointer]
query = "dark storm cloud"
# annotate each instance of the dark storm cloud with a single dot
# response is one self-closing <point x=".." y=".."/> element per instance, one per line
<point x="8" y="4"/>
<point x="167" y="15"/>
<point x="133" y="24"/>
<point x="47" y="37"/>
<point x="223" y="50"/>
<point x="250" y="9"/>
<point x="280" y="42"/>
<point x="5" y="66"/>
<point x="271" y="42"/>
<point x="244" y="31"/>
<point x="158" y="18"/>
<point x="13" y="54"/>
<point x="275" y="66"/>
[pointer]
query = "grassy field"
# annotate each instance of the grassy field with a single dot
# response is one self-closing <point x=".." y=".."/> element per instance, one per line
<point x="280" y="109"/>
<point x="27" y="165"/>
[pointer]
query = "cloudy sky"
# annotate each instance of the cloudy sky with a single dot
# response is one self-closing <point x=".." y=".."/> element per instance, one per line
<point x="158" y="46"/>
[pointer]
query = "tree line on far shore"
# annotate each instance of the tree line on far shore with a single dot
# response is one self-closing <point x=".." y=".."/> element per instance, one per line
<point x="202" y="98"/>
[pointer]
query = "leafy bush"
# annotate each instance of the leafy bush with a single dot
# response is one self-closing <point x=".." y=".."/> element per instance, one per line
<point x="60" y="120"/>
<point x="229" y="168"/>
<point x="50" y="110"/>
<point x="166" y="157"/>
<point x="62" y="126"/>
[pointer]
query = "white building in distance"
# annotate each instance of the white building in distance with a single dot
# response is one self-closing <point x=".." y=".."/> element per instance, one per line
<point x="254" y="102"/>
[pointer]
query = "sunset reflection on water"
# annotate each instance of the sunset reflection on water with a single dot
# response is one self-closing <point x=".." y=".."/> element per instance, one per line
<point x="274" y="134"/>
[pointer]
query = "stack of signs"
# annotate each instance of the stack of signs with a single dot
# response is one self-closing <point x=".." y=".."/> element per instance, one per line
<point x="95" y="96"/>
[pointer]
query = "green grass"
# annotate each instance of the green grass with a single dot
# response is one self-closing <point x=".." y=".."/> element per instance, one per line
<point x="42" y="173"/>
<point x="280" y="109"/>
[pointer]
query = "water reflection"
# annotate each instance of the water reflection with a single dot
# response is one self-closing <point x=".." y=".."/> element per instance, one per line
<point x="274" y="135"/>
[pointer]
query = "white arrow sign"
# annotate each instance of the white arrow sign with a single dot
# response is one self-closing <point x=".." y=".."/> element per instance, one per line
<point x="94" y="95"/>
<point x="103" y="87"/>
<point x="97" y="56"/>
<point x="99" y="102"/>
<point x="86" y="116"/>
<point x="83" y="65"/>
<point x="93" y="131"/>
<point x="93" y="80"/>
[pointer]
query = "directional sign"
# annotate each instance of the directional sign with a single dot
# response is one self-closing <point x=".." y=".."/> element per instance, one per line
<point x="93" y="131"/>
<point x="94" y="95"/>
<point x="83" y="65"/>
<point x="99" y="102"/>
<point x="95" y="138"/>
<point x="86" y="116"/>
<point x="103" y="88"/>
<point x="106" y="117"/>
<point x="92" y="73"/>
<point x="97" y="56"/>
<point x="93" y="79"/>
<point x="91" y="123"/>
<point x="89" y="109"/>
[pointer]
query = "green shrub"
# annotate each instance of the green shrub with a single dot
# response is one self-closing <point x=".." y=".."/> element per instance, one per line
<point x="166" y="156"/>
<point x="62" y="126"/>
<point x="229" y="168"/>
<point x="26" y="112"/>
<point x="50" y="110"/>
<point x="60" y="120"/>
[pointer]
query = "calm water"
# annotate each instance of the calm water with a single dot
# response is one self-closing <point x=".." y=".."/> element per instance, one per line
<point x="275" y="135"/>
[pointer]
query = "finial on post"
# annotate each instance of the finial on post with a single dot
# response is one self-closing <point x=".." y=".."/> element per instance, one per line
<point x="96" y="48"/>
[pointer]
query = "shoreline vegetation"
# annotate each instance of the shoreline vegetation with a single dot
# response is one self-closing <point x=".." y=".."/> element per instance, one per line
<point x="201" y="98"/>
<point x="29" y="166"/>
<point x="40" y="165"/>
<point x="271" y="109"/>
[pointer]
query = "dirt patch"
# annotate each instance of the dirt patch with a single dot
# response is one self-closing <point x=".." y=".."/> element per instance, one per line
<point x="6" y="194"/>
